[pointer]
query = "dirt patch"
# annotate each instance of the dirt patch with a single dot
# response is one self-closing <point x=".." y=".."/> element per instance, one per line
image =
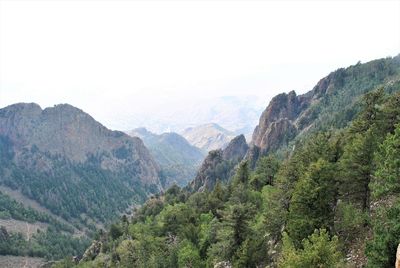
<point x="20" y="262"/>
<point x="27" y="202"/>
<point x="26" y="228"/>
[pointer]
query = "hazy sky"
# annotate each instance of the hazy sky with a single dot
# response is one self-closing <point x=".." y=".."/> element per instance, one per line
<point x="118" y="58"/>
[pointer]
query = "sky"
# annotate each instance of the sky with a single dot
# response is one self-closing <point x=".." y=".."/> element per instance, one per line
<point x="120" y="60"/>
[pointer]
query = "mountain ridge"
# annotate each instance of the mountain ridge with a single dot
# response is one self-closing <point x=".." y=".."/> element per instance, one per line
<point x="62" y="146"/>
<point x="177" y="158"/>
<point x="208" y="137"/>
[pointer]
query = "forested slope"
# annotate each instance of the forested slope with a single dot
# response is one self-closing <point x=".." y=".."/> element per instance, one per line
<point x="81" y="174"/>
<point x="333" y="200"/>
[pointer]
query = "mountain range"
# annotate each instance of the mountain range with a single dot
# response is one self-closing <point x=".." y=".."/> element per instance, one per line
<point x="235" y="113"/>
<point x="68" y="176"/>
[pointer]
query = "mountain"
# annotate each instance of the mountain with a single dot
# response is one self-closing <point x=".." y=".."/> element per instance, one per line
<point x="327" y="195"/>
<point x="165" y="114"/>
<point x="70" y="164"/>
<point x="208" y="137"/>
<point x="218" y="165"/>
<point x="331" y="103"/>
<point x="178" y="159"/>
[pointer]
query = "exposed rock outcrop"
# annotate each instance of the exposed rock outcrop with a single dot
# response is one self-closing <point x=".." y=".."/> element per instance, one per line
<point x="288" y="115"/>
<point x="277" y="123"/>
<point x="92" y="251"/>
<point x="236" y="149"/>
<point x="219" y="164"/>
<point x="223" y="264"/>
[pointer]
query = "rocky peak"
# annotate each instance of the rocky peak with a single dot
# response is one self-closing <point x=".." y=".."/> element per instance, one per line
<point x="236" y="149"/>
<point x="67" y="131"/>
<point x="278" y="120"/>
<point x="219" y="164"/>
<point x="288" y="114"/>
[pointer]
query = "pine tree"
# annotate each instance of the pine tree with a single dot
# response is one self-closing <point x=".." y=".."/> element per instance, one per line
<point x="319" y="250"/>
<point x="356" y="167"/>
<point x="387" y="176"/>
<point x="311" y="206"/>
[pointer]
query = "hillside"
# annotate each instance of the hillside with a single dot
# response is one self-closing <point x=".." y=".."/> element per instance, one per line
<point x="332" y="103"/>
<point x="77" y="174"/>
<point x="331" y="201"/>
<point x="177" y="159"/>
<point x="208" y="137"/>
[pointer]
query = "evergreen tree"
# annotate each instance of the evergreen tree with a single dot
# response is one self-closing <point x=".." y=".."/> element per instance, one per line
<point x="265" y="172"/>
<point x="318" y="250"/>
<point x="387" y="176"/>
<point x="356" y="167"/>
<point x="313" y="200"/>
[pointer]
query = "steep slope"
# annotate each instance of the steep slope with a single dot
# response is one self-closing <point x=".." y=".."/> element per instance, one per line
<point x="332" y="201"/>
<point x="219" y="164"/>
<point x="208" y="137"/>
<point x="177" y="158"/>
<point x="331" y="103"/>
<point x="71" y="164"/>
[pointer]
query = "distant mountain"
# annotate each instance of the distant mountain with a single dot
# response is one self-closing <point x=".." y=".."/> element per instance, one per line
<point x="239" y="114"/>
<point x="70" y="164"/>
<point x="177" y="158"/>
<point x="208" y="137"/>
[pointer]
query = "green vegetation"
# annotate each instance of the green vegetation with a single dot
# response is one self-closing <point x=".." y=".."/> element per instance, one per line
<point x="91" y="192"/>
<point x="50" y="244"/>
<point x="10" y="209"/>
<point x="54" y="243"/>
<point x="309" y="209"/>
<point x="327" y="194"/>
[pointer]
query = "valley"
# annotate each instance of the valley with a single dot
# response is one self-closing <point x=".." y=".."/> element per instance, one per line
<point x="208" y="196"/>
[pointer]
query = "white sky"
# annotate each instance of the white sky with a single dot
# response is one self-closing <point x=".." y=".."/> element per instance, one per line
<point x="113" y="58"/>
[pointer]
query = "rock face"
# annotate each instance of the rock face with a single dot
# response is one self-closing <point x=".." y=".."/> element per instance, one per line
<point x="236" y="149"/>
<point x="92" y="251"/>
<point x="289" y="115"/>
<point x="278" y="119"/>
<point x="223" y="264"/>
<point x="66" y="131"/>
<point x="219" y="164"/>
<point x="208" y="137"/>
<point x="178" y="159"/>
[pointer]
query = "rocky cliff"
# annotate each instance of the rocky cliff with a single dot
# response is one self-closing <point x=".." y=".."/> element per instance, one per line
<point x="219" y="164"/>
<point x="288" y="115"/>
